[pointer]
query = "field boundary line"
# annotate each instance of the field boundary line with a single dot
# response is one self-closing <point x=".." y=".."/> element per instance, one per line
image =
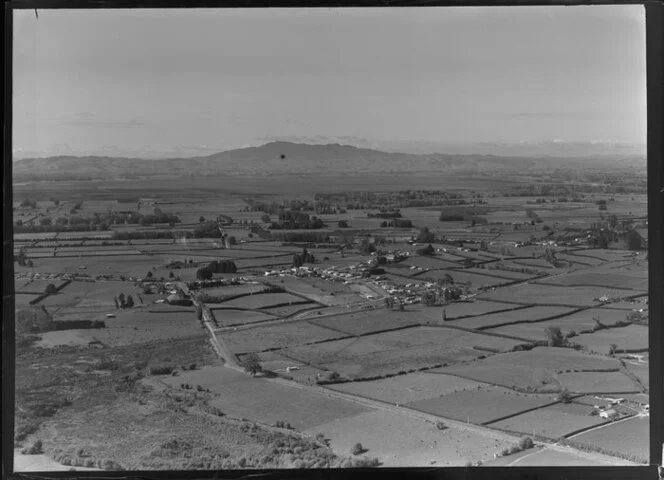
<point x="520" y="307"/>
<point x="539" y="320"/>
<point x="482" y="332"/>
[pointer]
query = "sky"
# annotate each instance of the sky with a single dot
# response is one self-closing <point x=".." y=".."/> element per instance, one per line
<point x="195" y="81"/>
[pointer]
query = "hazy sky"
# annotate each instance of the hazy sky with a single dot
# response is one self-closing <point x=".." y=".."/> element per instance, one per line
<point x="120" y="81"/>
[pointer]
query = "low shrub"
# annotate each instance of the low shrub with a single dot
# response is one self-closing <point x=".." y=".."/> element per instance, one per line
<point x="34" y="449"/>
<point x="161" y="369"/>
<point x="357" y="449"/>
<point x="22" y="431"/>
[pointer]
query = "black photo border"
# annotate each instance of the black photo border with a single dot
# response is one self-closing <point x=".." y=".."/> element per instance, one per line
<point x="655" y="166"/>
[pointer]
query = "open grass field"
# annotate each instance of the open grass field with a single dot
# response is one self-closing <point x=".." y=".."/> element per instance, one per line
<point x="71" y="295"/>
<point x="277" y="336"/>
<point x="467" y="309"/>
<point x="272" y="262"/>
<point x="403" y="389"/>
<point x="322" y="291"/>
<point x="606" y="255"/>
<point x="597" y="382"/>
<point x="496" y="272"/>
<point x="289" y="310"/>
<point x="419" y="442"/>
<point x="230" y="317"/>
<point x="132" y="265"/>
<point x="428" y="262"/>
<point x="232" y="290"/>
<point x="481" y="405"/>
<point x="130" y="327"/>
<point x="581" y="321"/>
<point x="629" y="437"/>
<point x="462" y="276"/>
<point x="631" y="337"/>
<point x="556" y="295"/>
<point x="534" y="367"/>
<point x="24" y="299"/>
<point x="397" y="351"/>
<point x="531" y="314"/>
<point x="553" y="422"/>
<point x="261" y="400"/>
<point x="520" y="377"/>
<point x="263" y="300"/>
<point x="554" y="457"/>
<point x="36" y="286"/>
<point x="641" y="370"/>
<point x="367" y="322"/>
<point x="578" y="260"/>
<point x="603" y="276"/>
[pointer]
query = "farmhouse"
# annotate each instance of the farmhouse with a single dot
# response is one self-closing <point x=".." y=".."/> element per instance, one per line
<point x="610" y="413"/>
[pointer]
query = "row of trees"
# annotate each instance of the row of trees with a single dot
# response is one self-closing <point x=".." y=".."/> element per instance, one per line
<point x="295" y="220"/>
<point x="300" y="259"/>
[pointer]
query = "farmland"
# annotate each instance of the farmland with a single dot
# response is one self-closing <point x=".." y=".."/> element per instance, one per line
<point x="481" y="405"/>
<point x="241" y="396"/>
<point x="355" y="333"/>
<point x="532" y="314"/>
<point x="628" y="437"/>
<point x="403" y="389"/>
<point x="553" y="422"/>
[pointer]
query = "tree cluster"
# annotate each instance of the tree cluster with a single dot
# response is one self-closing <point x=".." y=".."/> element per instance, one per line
<point x="300" y="259"/>
<point x="216" y="266"/>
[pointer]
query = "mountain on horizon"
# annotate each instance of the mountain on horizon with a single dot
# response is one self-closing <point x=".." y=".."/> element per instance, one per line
<point x="282" y="157"/>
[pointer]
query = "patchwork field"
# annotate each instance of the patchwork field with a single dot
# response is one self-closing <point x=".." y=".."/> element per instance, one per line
<point x="553" y="422"/>
<point x="367" y="322"/>
<point x="232" y="290"/>
<point x="519" y="377"/>
<point x="461" y="276"/>
<point x="531" y="314"/>
<point x="535" y="369"/>
<point x="419" y="442"/>
<point x="261" y="400"/>
<point x="606" y="277"/>
<point x="403" y="389"/>
<point x="629" y="437"/>
<point x="554" y="457"/>
<point x="263" y="300"/>
<point x="578" y="322"/>
<point x="130" y="327"/>
<point x="481" y="405"/>
<point x="630" y="338"/>
<point x="597" y="382"/>
<point x="397" y="351"/>
<point x="289" y="310"/>
<point x="468" y="309"/>
<point x="551" y="294"/>
<point x="230" y="317"/>
<point x="641" y="370"/>
<point x="277" y="336"/>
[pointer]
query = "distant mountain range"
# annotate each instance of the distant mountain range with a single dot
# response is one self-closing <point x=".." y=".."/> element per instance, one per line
<point x="296" y="158"/>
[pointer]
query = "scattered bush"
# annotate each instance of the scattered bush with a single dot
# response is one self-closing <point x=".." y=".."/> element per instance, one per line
<point x="34" y="449"/>
<point x="357" y="449"/>
<point x="161" y="369"/>
<point x="564" y="396"/>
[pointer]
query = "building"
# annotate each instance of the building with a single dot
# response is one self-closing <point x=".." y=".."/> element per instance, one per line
<point x="610" y="413"/>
